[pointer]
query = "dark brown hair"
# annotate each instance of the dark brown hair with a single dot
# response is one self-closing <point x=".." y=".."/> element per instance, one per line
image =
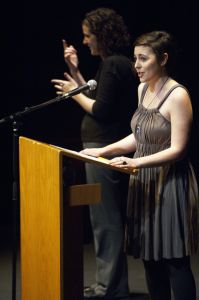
<point x="161" y="42"/>
<point x="110" y="31"/>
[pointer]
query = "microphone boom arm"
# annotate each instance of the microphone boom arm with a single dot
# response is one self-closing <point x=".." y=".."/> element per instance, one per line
<point x="91" y="85"/>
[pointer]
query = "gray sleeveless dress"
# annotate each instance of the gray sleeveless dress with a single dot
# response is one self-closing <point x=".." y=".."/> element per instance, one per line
<point x="163" y="202"/>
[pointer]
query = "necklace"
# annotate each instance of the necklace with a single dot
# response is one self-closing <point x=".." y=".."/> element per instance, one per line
<point x="153" y="98"/>
<point x="139" y="122"/>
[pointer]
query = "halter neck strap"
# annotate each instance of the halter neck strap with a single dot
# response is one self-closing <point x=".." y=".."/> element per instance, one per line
<point x="168" y="93"/>
<point x="164" y="98"/>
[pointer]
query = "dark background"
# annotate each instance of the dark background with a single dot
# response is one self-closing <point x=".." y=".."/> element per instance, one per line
<point x="33" y="55"/>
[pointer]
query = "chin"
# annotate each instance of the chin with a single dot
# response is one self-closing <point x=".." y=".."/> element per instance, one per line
<point x="142" y="79"/>
<point x="94" y="54"/>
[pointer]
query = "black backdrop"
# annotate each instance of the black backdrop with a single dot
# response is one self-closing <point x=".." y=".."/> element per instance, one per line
<point x="33" y="55"/>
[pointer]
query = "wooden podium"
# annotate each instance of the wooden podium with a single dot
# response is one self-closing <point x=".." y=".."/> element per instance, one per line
<point x="50" y="222"/>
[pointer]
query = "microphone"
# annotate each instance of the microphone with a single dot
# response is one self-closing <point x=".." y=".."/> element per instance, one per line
<point x="90" y="85"/>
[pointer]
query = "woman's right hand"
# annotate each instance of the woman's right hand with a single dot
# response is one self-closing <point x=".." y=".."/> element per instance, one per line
<point x="96" y="152"/>
<point x="70" y="56"/>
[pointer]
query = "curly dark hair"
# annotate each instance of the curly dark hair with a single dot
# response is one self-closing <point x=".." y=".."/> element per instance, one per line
<point x="110" y="31"/>
<point x="161" y="42"/>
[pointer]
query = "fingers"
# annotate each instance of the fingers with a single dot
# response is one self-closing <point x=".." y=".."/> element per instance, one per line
<point x="70" y="78"/>
<point x="58" y="84"/>
<point x="65" y="45"/>
<point x="63" y="86"/>
<point x="59" y="88"/>
<point x="58" y="81"/>
<point x="91" y="152"/>
<point x="124" y="163"/>
<point x="68" y="49"/>
<point x="67" y="76"/>
<point x="119" y="162"/>
<point x="87" y="151"/>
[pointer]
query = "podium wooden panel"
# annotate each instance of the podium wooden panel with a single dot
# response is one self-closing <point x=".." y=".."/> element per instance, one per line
<point x="50" y="224"/>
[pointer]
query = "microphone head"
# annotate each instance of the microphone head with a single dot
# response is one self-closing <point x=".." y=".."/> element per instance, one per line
<point x="92" y="84"/>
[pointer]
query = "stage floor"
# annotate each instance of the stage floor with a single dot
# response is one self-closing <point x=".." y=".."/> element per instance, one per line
<point x="136" y="272"/>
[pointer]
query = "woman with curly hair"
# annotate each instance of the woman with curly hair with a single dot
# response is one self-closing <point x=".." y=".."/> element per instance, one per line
<point x="107" y="119"/>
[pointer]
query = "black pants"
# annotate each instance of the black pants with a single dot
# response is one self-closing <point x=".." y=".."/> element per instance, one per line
<point x="165" y="274"/>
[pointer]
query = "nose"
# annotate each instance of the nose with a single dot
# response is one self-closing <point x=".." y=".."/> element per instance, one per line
<point x="136" y="63"/>
<point x="85" y="41"/>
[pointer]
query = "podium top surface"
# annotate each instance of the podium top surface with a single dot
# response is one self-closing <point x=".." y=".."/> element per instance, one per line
<point x="100" y="161"/>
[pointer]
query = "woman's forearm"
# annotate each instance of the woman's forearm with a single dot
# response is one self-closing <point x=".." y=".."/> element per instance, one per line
<point x="77" y="76"/>
<point x="85" y="102"/>
<point x="124" y="146"/>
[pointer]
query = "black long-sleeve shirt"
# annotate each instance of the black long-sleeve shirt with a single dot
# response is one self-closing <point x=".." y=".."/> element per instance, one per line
<point x="116" y="100"/>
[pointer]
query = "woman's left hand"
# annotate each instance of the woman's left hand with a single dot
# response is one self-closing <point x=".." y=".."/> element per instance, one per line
<point x="64" y="86"/>
<point x="124" y="163"/>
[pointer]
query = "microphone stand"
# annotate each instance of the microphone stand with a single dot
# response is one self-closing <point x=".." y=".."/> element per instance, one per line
<point x="14" y="119"/>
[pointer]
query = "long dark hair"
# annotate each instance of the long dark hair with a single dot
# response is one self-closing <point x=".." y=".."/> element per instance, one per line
<point x="110" y="31"/>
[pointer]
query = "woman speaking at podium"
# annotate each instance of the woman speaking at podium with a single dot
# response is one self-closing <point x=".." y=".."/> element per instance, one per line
<point x="163" y="203"/>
